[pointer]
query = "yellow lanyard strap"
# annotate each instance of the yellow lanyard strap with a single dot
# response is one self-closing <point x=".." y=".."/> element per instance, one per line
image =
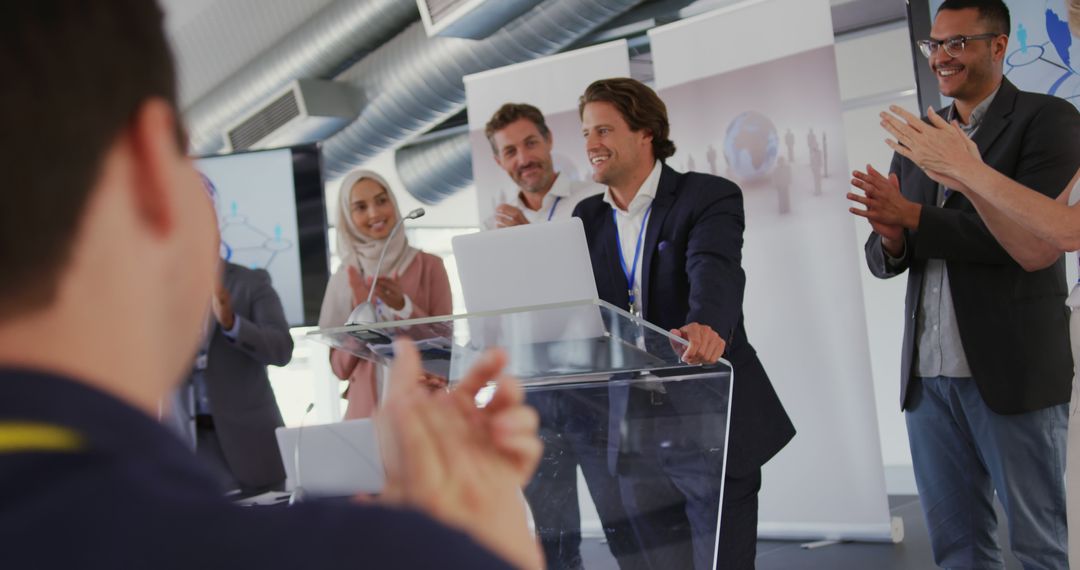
<point x="21" y="437"/>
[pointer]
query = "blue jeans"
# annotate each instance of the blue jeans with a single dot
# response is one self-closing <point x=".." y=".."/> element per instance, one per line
<point x="963" y="451"/>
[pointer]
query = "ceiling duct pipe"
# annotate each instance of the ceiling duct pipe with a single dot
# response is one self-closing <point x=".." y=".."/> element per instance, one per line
<point x="434" y="170"/>
<point x="413" y="83"/>
<point x="317" y="49"/>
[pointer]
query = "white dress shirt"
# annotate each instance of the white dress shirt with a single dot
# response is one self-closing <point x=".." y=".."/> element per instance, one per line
<point x="558" y="203"/>
<point x="633" y="221"/>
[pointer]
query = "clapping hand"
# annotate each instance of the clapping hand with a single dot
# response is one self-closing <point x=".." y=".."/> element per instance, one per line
<point x="886" y="208"/>
<point x="462" y="465"/>
<point x="507" y="216"/>
<point x="388" y="289"/>
<point x="221" y="305"/>
<point x="939" y="148"/>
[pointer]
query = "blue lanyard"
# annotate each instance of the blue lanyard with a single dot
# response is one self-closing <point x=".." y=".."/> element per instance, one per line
<point x="629" y="273"/>
<point x="553" y="206"/>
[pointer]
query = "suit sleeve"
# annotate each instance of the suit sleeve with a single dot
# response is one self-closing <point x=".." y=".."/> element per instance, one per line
<point x="264" y="333"/>
<point x="714" y="263"/>
<point x="955" y="235"/>
<point x="1048" y="159"/>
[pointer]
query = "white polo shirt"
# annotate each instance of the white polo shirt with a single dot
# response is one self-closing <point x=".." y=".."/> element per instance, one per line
<point x="558" y="203"/>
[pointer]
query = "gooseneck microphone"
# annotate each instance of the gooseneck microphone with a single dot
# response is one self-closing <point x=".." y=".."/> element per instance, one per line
<point x="365" y="312"/>
<point x="298" y="489"/>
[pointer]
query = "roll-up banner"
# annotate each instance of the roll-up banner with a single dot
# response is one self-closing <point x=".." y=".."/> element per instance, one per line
<point x="753" y="95"/>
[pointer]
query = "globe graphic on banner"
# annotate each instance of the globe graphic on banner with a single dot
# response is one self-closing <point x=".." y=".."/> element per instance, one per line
<point x="750" y="146"/>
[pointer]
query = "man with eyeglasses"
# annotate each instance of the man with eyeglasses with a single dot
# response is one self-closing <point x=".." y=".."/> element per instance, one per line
<point x="986" y="366"/>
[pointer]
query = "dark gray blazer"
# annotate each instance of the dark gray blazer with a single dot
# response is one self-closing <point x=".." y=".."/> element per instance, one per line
<point x="1013" y="323"/>
<point x="241" y="399"/>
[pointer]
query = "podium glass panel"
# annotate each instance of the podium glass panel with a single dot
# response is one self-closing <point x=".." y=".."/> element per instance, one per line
<point x="642" y="435"/>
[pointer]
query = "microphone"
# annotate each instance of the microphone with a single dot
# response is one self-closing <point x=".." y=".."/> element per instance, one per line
<point x="365" y="312"/>
<point x="298" y="494"/>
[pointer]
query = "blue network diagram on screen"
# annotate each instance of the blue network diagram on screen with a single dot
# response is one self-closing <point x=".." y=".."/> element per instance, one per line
<point x="271" y="216"/>
<point x="1043" y="55"/>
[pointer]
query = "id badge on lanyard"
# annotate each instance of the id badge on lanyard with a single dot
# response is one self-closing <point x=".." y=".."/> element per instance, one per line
<point x="631" y="272"/>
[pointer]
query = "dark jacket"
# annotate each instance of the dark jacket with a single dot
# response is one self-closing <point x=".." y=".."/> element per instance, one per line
<point x="90" y="482"/>
<point x="1013" y="323"/>
<point x="242" y="401"/>
<point x="692" y="272"/>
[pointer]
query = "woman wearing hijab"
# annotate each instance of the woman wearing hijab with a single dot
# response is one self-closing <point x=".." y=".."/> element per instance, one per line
<point x="412" y="284"/>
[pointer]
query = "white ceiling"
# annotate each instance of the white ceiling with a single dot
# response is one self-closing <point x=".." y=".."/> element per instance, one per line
<point x="214" y="38"/>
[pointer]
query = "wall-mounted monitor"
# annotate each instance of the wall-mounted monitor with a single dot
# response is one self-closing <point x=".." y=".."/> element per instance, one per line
<point x="1043" y="56"/>
<point x="272" y="216"/>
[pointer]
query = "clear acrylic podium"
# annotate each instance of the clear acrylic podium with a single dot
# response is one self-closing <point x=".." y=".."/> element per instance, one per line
<point x="647" y="432"/>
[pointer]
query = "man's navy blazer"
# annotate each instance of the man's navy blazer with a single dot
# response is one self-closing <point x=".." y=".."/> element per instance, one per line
<point x="691" y="272"/>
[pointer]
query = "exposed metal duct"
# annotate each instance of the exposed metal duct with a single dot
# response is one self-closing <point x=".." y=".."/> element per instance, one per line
<point x="434" y="170"/>
<point x="414" y="82"/>
<point x="315" y="50"/>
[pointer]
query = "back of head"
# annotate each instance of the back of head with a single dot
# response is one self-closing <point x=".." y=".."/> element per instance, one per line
<point x="993" y="13"/>
<point x="76" y="72"/>
<point x="640" y="107"/>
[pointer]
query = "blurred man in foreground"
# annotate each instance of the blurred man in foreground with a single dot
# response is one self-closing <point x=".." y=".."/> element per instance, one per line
<point x="100" y="319"/>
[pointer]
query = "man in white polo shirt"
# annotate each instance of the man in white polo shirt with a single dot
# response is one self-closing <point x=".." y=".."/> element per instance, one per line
<point x="521" y="142"/>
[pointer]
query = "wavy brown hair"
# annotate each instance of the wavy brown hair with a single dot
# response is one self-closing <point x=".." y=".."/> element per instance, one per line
<point x="640" y="107"/>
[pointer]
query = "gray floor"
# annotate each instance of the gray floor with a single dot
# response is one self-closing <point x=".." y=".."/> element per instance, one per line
<point x="911" y="554"/>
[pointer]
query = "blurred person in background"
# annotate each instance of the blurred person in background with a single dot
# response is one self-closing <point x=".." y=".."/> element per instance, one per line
<point x="226" y="410"/>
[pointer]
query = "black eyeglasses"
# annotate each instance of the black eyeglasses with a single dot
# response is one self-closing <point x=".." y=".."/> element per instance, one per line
<point x="954" y="46"/>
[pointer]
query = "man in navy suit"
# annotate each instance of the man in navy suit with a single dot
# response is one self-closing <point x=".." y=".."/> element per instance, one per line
<point x="668" y="246"/>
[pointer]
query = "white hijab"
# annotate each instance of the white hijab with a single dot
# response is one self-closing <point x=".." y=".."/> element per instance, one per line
<point x="361" y="251"/>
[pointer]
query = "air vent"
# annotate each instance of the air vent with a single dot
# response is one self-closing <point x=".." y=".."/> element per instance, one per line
<point x="308" y="110"/>
<point x="471" y="19"/>
<point x="262" y="124"/>
<point x="440" y="9"/>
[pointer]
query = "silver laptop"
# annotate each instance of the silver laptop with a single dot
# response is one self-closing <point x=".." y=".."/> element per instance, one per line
<point x="526" y="266"/>
<point x="332" y="460"/>
<point x="522" y="266"/>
